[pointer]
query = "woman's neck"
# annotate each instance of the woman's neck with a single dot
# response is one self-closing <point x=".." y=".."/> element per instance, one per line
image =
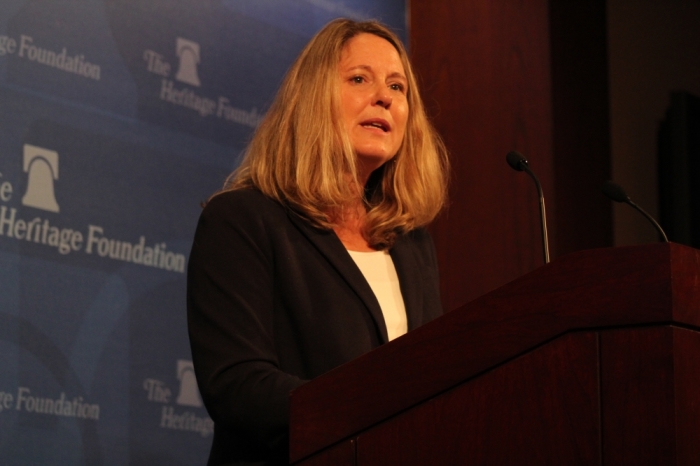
<point x="350" y="228"/>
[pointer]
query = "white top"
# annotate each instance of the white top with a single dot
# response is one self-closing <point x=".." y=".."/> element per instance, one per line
<point x="380" y="273"/>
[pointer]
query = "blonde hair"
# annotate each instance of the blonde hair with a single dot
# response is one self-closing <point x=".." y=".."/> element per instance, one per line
<point x="301" y="154"/>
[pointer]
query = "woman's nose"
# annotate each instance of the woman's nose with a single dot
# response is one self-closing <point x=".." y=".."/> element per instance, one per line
<point x="383" y="97"/>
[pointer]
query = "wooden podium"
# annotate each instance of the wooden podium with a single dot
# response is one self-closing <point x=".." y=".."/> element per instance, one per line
<point x="591" y="359"/>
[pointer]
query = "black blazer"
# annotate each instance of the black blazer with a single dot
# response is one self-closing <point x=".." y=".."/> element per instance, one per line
<point x="273" y="302"/>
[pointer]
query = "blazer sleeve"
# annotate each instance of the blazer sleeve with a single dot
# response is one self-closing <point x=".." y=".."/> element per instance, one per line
<point x="431" y="276"/>
<point x="230" y="303"/>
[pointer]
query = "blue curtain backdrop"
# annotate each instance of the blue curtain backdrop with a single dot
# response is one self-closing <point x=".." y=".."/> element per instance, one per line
<point x="117" y="118"/>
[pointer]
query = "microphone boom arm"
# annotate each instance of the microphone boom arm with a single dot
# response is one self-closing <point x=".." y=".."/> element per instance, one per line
<point x="543" y="215"/>
<point x="518" y="162"/>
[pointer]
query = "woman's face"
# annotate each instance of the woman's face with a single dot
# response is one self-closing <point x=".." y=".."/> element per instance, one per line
<point x="373" y="99"/>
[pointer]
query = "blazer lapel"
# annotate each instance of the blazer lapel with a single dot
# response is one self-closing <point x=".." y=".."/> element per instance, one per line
<point x="328" y="244"/>
<point x="410" y="278"/>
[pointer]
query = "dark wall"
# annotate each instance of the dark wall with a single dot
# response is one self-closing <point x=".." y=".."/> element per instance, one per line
<point x="581" y="130"/>
<point x="654" y="49"/>
<point x="527" y="76"/>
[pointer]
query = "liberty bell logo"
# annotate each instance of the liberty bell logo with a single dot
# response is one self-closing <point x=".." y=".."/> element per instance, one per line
<point x="189" y="394"/>
<point x="188" y="53"/>
<point x="41" y="165"/>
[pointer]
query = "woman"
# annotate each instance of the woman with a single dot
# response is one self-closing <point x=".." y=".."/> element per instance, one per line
<point x="314" y="253"/>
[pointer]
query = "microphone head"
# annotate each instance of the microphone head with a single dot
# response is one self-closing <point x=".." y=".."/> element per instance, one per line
<point x="615" y="192"/>
<point x="516" y="160"/>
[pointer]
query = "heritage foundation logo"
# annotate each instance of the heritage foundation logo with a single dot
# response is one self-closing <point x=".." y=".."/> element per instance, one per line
<point x="171" y="418"/>
<point x="189" y="55"/>
<point x="62" y="406"/>
<point x="189" y="394"/>
<point x="188" y="52"/>
<point x="41" y="166"/>
<point x="68" y="62"/>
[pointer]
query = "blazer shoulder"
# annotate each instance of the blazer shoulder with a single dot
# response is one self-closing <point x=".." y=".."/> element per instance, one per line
<point x="419" y="239"/>
<point x="243" y="200"/>
<point x="244" y="207"/>
<point x="420" y="235"/>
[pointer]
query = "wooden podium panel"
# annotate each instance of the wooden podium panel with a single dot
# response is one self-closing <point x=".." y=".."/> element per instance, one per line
<point x="651" y="403"/>
<point x="541" y="408"/>
<point x="686" y="363"/>
<point x="591" y="359"/>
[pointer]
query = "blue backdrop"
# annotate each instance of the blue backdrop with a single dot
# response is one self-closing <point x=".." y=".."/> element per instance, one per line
<point x="117" y="118"/>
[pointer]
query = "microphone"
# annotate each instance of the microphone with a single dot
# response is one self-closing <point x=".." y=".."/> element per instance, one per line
<point x="519" y="163"/>
<point x="615" y="192"/>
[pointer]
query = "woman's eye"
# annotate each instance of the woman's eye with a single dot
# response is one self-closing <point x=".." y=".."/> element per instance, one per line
<point x="358" y="79"/>
<point x="397" y="87"/>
